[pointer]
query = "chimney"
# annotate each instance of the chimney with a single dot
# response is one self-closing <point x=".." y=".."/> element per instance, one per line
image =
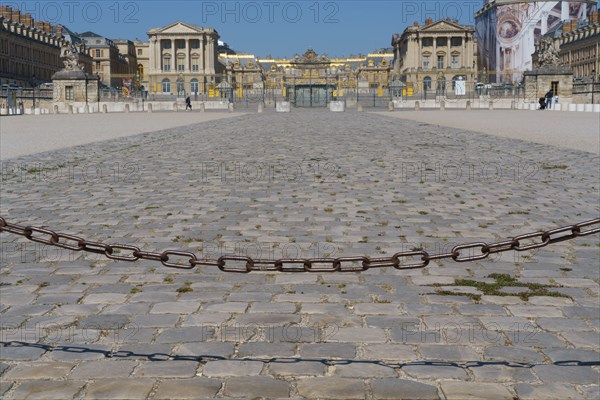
<point x="27" y="20"/>
<point x="573" y="25"/>
<point x="16" y="15"/>
<point x="448" y="19"/>
<point x="566" y="27"/>
<point x="455" y="21"/>
<point x="5" y="11"/>
<point x="415" y="23"/>
<point x="59" y="31"/>
<point x="428" y="21"/>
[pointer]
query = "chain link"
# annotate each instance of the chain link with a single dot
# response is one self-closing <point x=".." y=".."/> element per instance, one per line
<point x="416" y="258"/>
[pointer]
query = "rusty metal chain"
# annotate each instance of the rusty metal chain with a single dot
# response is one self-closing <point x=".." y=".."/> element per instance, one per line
<point x="416" y="258"/>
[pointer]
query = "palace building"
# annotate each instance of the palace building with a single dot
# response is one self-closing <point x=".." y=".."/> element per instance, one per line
<point x="182" y="59"/>
<point x="438" y="51"/>
<point x="30" y="50"/>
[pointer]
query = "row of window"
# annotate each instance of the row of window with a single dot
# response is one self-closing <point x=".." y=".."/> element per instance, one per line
<point x="180" y="85"/>
<point x="180" y="44"/>
<point x="440" y="62"/>
<point x="180" y="65"/>
<point x="441" y="41"/>
<point x="581" y="54"/>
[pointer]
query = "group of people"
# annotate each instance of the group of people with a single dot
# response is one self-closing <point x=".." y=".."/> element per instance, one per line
<point x="546" y="101"/>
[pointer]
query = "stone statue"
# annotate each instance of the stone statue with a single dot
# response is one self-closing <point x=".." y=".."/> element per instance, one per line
<point x="70" y="57"/>
<point x="548" y="54"/>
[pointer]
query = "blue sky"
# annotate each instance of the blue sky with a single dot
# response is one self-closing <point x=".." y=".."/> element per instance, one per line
<point x="263" y="27"/>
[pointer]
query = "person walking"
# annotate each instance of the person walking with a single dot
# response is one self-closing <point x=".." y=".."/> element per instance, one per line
<point x="549" y="97"/>
<point x="188" y="103"/>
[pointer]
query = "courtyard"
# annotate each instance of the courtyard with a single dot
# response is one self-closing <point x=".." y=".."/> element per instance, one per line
<point x="308" y="184"/>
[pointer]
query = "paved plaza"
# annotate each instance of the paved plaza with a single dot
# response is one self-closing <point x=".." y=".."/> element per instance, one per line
<point x="305" y="184"/>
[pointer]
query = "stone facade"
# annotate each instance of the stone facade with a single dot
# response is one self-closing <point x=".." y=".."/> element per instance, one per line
<point x="579" y="46"/>
<point x="437" y="51"/>
<point x="182" y="59"/>
<point x="31" y="48"/>
<point x="540" y="81"/>
<point x="109" y="63"/>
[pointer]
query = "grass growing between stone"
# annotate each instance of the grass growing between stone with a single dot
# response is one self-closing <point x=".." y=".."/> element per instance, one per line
<point x="495" y="288"/>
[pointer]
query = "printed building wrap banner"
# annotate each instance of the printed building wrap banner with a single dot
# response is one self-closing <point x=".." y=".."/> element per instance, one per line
<point x="127" y="83"/>
<point x="507" y="33"/>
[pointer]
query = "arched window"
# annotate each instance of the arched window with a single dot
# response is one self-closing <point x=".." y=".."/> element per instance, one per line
<point x="166" y="86"/>
<point x="427" y="83"/>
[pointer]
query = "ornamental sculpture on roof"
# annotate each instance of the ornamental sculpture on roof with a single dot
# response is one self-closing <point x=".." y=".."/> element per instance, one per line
<point x="548" y="54"/>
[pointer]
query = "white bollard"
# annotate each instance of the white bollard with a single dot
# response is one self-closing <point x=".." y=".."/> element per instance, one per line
<point x="283" y="107"/>
<point x="596" y="108"/>
<point x="572" y="107"/>
<point x="580" y="107"/>
<point x="337" y="106"/>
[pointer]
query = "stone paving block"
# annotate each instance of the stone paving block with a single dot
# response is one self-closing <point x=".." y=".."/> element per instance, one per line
<point x="562" y="355"/>
<point x="427" y="371"/>
<point x="562" y="324"/>
<point x="154" y="320"/>
<point x="175" y="307"/>
<point x="513" y="354"/>
<point x="39" y="370"/>
<point x="581" y="312"/>
<point x="202" y="319"/>
<point x="187" y="389"/>
<point x="547" y="391"/>
<point x="74" y="351"/>
<point x="183" y="335"/>
<point x="103" y="369"/>
<point x="133" y="388"/>
<point x="259" y="386"/>
<point x="442" y="352"/>
<point x="590" y="392"/>
<point x="166" y="369"/>
<point x="331" y="388"/>
<point x="47" y="389"/>
<point x="266" y="319"/>
<point x="475" y="390"/>
<point x="224" y="368"/>
<point x="295" y="367"/>
<point x="430" y="280"/>
<point x="582" y="339"/>
<point x="377" y="309"/>
<point x="482" y="309"/>
<point x="229" y="307"/>
<point x="250" y="297"/>
<point x="12" y="351"/>
<point x="280" y="308"/>
<point x="104" y="298"/>
<point x="535" y="311"/>
<point x="502" y="373"/>
<point x="358" y="335"/>
<point x="262" y="349"/>
<point x="364" y="370"/>
<point x="328" y="350"/>
<point x="206" y="350"/>
<point x="403" y="389"/>
<point x="574" y="374"/>
<point x="394" y="352"/>
<point x="311" y="308"/>
<point x="101" y="322"/>
<point x="550" y="301"/>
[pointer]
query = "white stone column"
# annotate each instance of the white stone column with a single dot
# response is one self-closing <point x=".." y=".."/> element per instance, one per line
<point x="187" y="56"/>
<point x="584" y="10"/>
<point x="564" y="10"/>
<point x="173" y="55"/>
<point x="201" y="65"/>
<point x="544" y="22"/>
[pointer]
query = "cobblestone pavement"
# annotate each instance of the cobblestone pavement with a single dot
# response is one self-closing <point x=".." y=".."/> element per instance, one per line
<point x="305" y="184"/>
